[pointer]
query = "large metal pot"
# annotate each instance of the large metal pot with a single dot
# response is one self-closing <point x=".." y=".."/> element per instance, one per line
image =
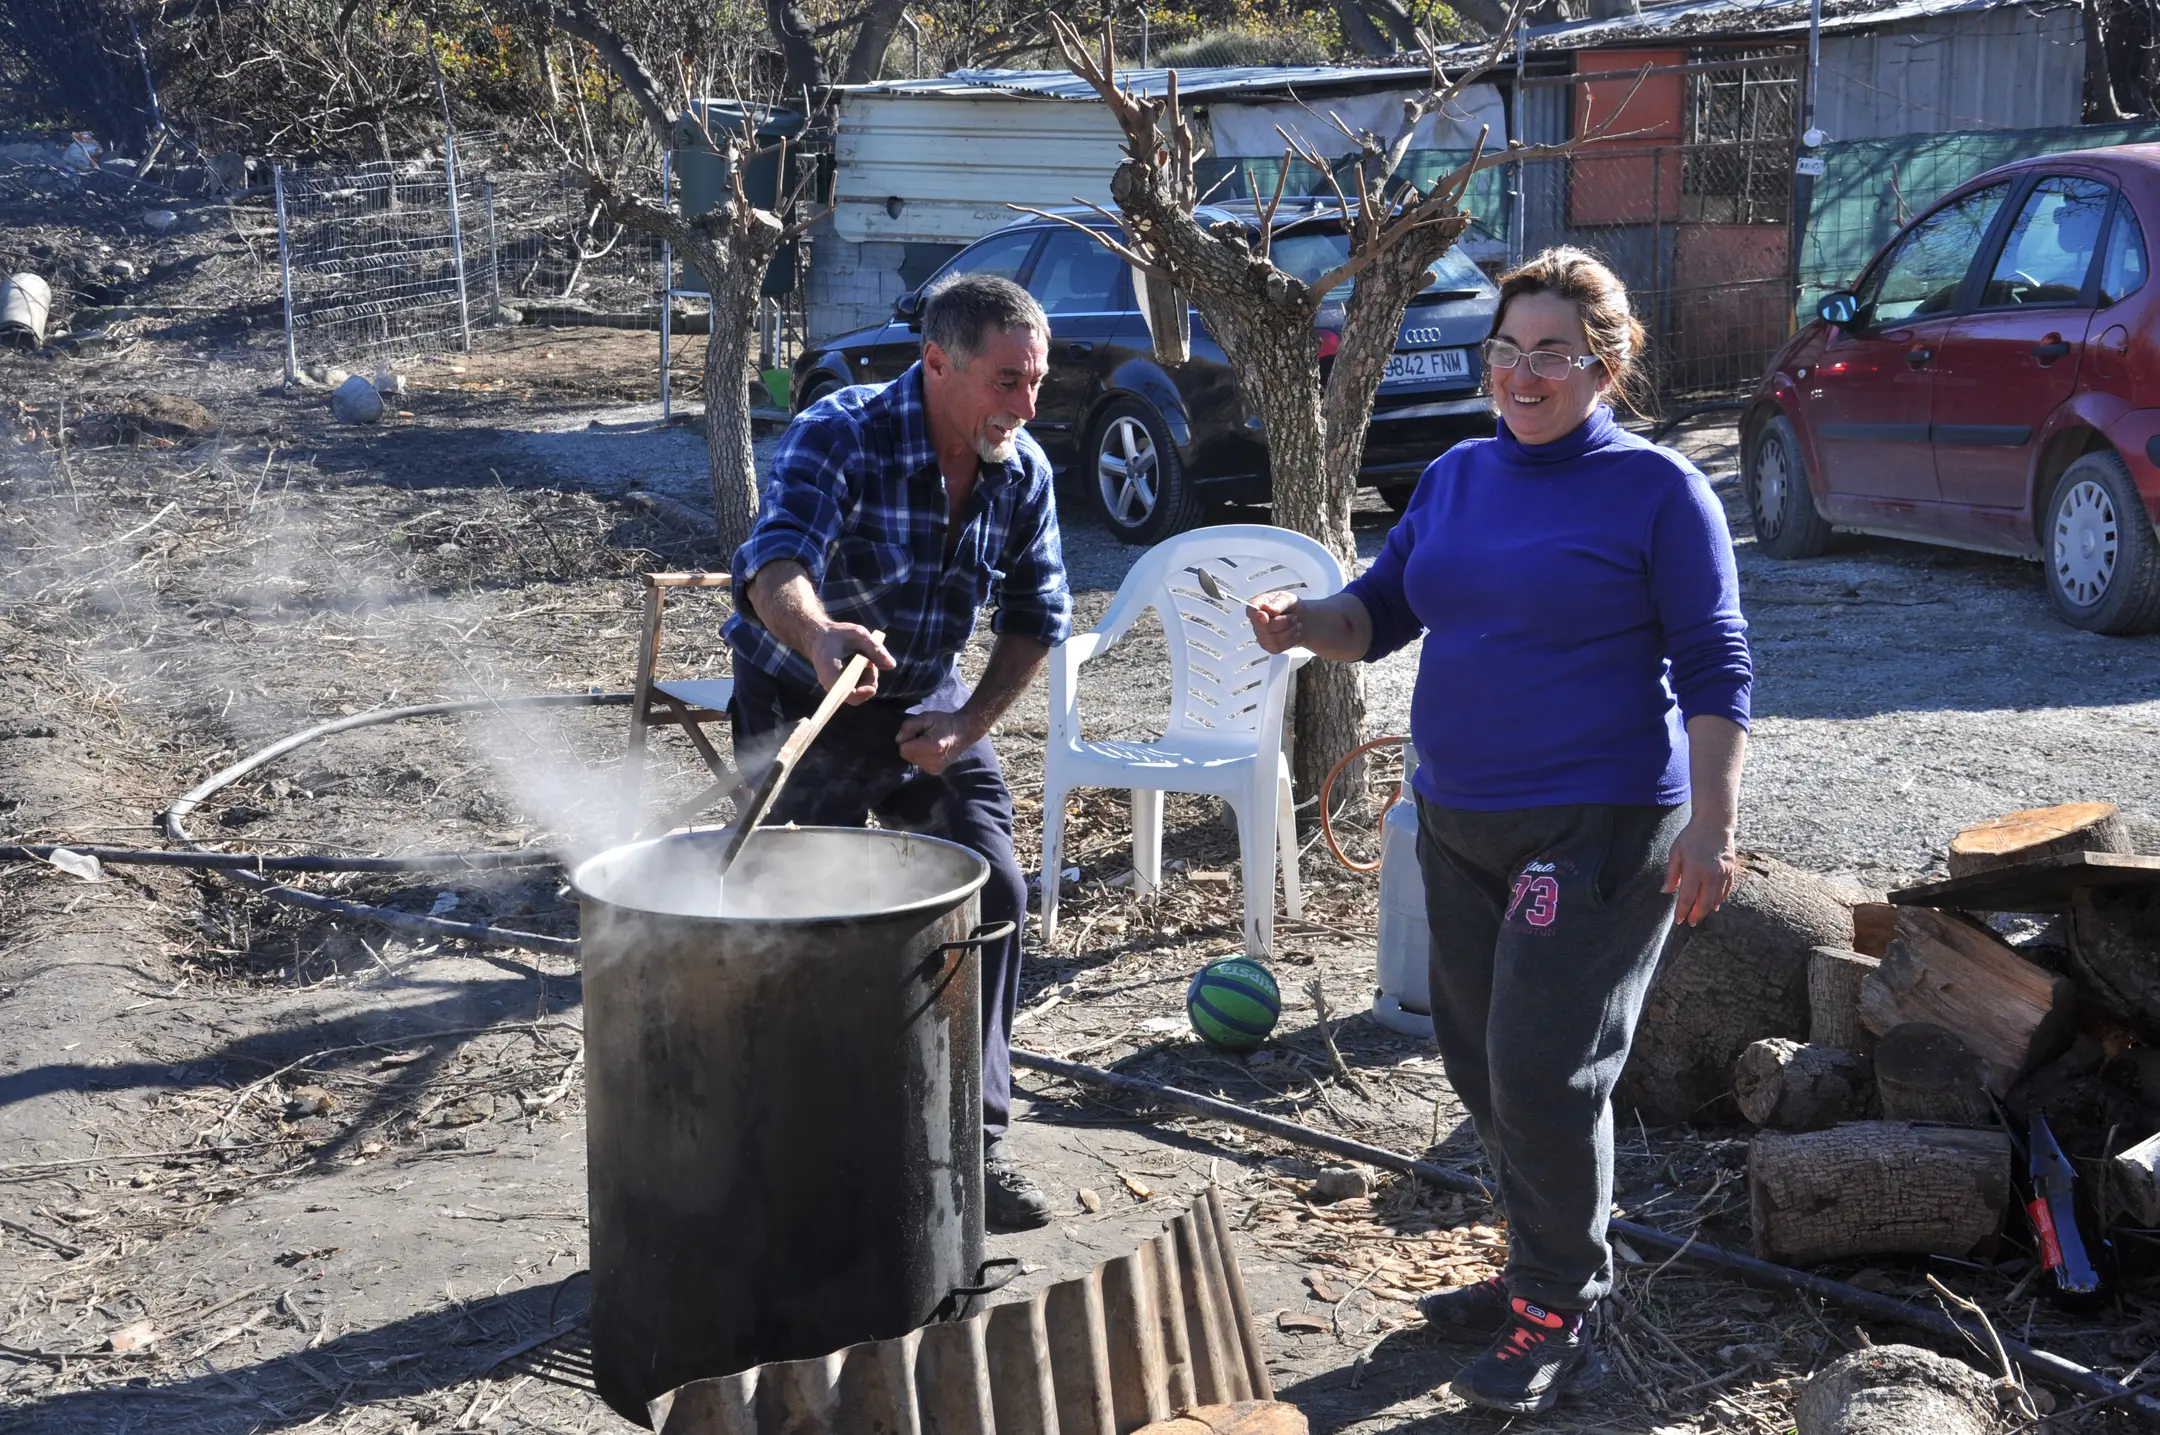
<point x="784" y="1104"/>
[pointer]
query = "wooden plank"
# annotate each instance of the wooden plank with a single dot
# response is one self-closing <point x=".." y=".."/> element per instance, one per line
<point x="2042" y="886"/>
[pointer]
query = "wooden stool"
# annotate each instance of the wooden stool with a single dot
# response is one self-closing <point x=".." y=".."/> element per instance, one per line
<point x="688" y="704"/>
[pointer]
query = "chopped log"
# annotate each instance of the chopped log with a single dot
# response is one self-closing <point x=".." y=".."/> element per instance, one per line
<point x="1794" y="1087"/>
<point x="2115" y="948"/>
<point x="2014" y="1014"/>
<point x="1833" y="993"/>
<point x="1923" y="1073"/>
<point x="2039" y="832"/>
<point x="1875" y="1188"/>
<point x="1898" y="1390"/>
<point x="1873" y="925"/>
<point x="1741" y="976"/>
<point x="1246" y="1417"/>
<point x="2136" y="1177"/>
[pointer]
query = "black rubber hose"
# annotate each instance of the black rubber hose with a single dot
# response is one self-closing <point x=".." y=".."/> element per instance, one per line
<point x="406" y="922"/>
<point x="2037" y="1363"/>
<point x="312" y="862"/>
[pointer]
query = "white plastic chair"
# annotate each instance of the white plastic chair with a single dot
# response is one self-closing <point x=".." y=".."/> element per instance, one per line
<point x="1226" y="720"/>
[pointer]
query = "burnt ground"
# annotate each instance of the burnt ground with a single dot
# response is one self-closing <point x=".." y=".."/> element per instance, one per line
<point x="339" y="1174"/>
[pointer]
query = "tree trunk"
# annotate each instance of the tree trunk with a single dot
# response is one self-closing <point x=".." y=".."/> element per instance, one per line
<point x="1897" y="1390"/>
<point x="866" y="57"/>
<point x="2013" y="1013"/>
<point x="805" y="68"/>
<point x="1401" y="28"/>
<point x="2100" y="106"/>
<point x="1923" y="1073"/>
<point x="733" y="264"/>
<point x="1833" y="986"/>
<point x="1741" y="976"/>
<point x="1876" y="1188"/>
<point x="2036" y="833"/>
<point x="1359" y="32"/>
<point x="2115" y="947"/>
<point x="1793" y="1087"/>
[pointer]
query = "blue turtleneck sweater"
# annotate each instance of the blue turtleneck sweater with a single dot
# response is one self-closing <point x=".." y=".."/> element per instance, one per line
<point x="1579" y="603"/>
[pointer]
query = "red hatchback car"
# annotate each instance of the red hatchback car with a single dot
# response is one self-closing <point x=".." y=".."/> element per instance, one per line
<point x="1992" y="382"/>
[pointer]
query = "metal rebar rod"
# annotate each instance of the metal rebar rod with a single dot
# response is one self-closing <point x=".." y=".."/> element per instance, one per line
<point x="2040" y="1364"/>
<point x="297" y="862"/>
<point x="457" y="240"/>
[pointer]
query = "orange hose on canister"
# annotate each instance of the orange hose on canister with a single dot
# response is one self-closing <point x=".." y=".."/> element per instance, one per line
<point x="1327" y="787"/>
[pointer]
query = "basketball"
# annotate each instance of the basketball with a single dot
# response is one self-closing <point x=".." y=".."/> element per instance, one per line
<point x="1233" y="1003"/>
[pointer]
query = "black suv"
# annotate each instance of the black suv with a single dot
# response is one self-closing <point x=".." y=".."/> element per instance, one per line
<point x="1149" y="445"/>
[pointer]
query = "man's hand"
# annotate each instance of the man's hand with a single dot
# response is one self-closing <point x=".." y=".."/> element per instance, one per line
<point x="1278" y="621"/>
<point x="838" y="642"/>
<point x="1700" y="871"/>
<point x="932" y="740"/>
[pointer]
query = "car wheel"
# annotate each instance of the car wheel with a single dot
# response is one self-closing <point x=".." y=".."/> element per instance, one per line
<point x="1398" y="496"/>
<point x="1779" y="499"/>
<point x="819" y="388"/>
<point x="1134" y="477"/>
<point x="2102" y="559"/>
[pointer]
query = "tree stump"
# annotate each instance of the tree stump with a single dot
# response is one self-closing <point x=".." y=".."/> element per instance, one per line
<point x="1246" y="1417"/>
<point x="1924" y="1073"/>
<point x="2115" y="947"/>
<point x="2038" y="832"/>
<point x="1833" y="988"/>
<point x="1741" y="976"/>
<point x="1793" y="1087"/>
<point x="2013" y="1013"/>
<point x="1876" y="1188"/>
<point x="1873" y="925"/>
<point x="1898" y="1390"/>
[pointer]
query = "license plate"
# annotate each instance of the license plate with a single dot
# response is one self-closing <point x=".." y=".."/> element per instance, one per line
<point x="1421" y="366"/>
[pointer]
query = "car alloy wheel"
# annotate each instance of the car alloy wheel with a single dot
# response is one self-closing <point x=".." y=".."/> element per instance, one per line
<point x="1771" y="481"/>
<point x="1126" y="471"/>
<point x="2087" y="542"/>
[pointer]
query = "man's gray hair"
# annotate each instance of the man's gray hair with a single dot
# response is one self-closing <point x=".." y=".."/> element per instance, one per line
<point x="960" y="311"/>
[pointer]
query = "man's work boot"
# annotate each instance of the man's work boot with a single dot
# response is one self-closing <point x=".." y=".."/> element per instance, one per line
<point x="1011" y="1199"/>
<point x="1476" y="1311"/>
<point x="1541" y="1356"/>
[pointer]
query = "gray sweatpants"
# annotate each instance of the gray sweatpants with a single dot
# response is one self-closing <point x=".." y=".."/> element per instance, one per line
<point x="1547" y="925"/>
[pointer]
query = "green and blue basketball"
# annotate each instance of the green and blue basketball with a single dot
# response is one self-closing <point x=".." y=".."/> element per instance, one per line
<point x="1233" y="1003"/>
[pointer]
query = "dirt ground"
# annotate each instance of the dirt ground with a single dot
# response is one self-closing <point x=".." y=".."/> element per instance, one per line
<point x="340" y="1173"/>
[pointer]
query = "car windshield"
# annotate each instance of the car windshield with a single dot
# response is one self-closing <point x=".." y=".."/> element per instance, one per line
<point x="1310" y="255"/>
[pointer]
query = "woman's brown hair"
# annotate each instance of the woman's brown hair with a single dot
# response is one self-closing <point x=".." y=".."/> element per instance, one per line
<point x="1616" y="336"/>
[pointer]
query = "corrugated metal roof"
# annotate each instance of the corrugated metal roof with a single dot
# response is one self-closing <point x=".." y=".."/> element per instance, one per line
<point x="1704" y="18"/>
<point x="1199" y="82"/>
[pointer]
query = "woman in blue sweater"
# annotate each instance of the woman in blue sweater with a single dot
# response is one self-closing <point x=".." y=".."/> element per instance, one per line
<point x="1580" y="717"/>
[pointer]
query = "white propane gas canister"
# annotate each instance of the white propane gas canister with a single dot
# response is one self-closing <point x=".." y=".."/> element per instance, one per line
<point x="1402" y="1003"/>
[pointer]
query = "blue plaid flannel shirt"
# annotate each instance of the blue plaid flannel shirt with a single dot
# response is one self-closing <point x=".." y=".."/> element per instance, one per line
<point x="856" y="498"/>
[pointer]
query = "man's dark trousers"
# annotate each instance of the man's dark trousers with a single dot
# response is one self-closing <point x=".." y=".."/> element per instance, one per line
<point x="855" y="769"/>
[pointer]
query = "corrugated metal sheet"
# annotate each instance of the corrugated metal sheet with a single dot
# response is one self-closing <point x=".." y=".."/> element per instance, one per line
<point x="1198" y="83"/>
<point x="1133" y="1341"/>
<point x="955" y="161"/>
<point x="2009" y="68"/>
<point x="1706" y="18"/>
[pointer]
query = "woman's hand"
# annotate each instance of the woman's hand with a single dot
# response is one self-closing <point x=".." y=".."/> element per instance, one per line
<point x="1336" y="628"/>
<point x="1278" y="621"/>
<point x="1701" y="869"/>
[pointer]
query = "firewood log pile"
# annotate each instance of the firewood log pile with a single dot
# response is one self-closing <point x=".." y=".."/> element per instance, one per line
<point x="1912" y="1064"/>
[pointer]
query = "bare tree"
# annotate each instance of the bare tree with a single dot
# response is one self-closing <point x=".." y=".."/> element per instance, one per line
<point x="731" y="245"/>
<point x="1263" y="316"/>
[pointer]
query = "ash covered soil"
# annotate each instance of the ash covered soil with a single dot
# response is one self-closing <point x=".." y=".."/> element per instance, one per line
<point x="271" y="1170"/>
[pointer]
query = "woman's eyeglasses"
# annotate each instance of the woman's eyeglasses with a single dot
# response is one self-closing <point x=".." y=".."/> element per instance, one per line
<point x="1544" y="363"/>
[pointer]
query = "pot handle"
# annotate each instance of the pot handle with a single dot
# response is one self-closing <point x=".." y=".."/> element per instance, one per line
<point x="984" y="934"/>
<point x="960" y="1303"/>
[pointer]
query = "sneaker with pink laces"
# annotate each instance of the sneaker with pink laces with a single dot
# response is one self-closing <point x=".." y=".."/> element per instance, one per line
<point x="1541" y="1356"/>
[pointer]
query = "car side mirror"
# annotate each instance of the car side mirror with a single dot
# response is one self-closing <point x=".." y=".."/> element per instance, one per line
<point x="908" y="308"/>
<point x="1839" y="307"/>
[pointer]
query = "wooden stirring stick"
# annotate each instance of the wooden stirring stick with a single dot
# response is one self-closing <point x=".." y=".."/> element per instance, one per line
<point x="791" y="751"/>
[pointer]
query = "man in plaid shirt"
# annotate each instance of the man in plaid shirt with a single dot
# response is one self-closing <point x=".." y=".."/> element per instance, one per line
<point x="904" y="508"/>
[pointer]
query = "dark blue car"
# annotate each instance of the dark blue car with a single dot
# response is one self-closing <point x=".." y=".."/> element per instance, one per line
<point x="1149" y="446"/>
